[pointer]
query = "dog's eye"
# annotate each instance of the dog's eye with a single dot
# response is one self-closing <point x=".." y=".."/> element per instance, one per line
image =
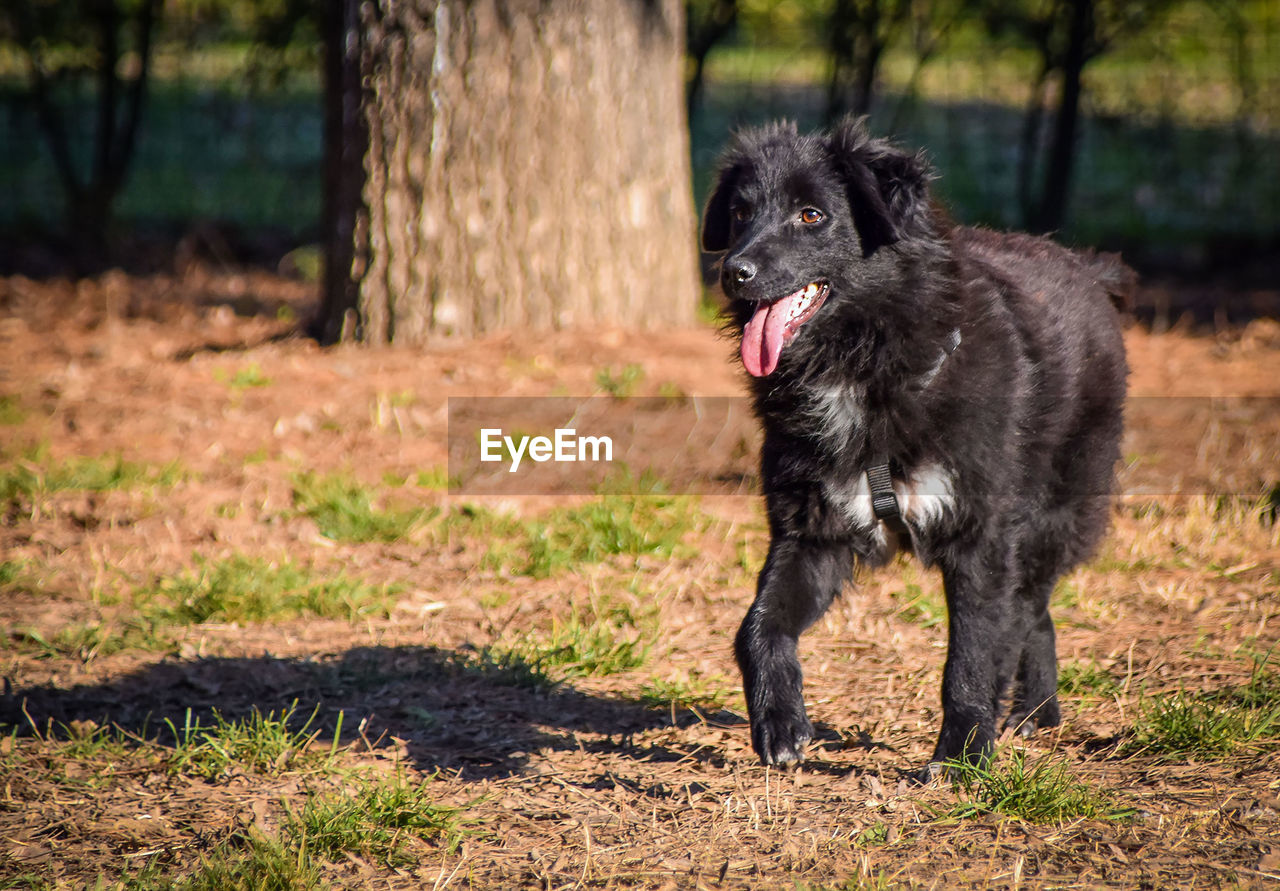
<point x="742" y="214"/>
<point x="810" y="215"/>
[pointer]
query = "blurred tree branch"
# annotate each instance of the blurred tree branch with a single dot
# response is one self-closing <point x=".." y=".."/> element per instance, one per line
<point x="106" y="43"/>
<point x="859" y="31"/>
<point x="932" y="23"/>
<point x="277" y="28"/>
<point x="708" y="23"/>
<point x="1066" y="36"/>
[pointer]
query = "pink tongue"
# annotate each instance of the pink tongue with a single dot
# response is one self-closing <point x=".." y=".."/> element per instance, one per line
<point x="763" y="336"/>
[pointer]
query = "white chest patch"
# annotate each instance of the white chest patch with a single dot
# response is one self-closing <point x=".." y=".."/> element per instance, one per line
<point x="853" y="501"/>
<point x="836" y="411"/>
<point x="924" y="497"/>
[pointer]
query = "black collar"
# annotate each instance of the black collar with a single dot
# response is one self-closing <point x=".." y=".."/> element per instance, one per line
<point x="884" y="503"/>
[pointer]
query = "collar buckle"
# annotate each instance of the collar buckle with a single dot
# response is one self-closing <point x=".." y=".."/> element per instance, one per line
<point x="884" y="501"/>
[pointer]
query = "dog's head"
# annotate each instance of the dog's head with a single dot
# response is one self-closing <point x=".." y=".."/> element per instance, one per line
<point x="800" y="219"/>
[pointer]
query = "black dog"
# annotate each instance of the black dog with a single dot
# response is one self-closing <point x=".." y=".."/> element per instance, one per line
<point x="951" y="391"/>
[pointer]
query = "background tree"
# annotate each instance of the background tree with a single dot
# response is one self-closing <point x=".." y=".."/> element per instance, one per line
<point x="1238" y="19"/>
<point x="522" y="165"/>
<point x="1066" y="35"/>
<point x="930" y="25"/>
<point x="69" y="46"/>
<point x="859" y="32"/>
<point x="709" y="22"/>
<point x="277" y="30"/>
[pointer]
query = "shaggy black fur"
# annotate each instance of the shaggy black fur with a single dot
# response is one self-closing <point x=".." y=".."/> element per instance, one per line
<point x="1003" y="448"/>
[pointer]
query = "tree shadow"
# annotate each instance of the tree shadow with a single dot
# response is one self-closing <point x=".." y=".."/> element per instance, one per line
<point x="450" y="710"/>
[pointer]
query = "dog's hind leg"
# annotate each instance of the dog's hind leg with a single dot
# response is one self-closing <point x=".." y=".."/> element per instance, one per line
<point x="1035" y="692"/>
<point x="983" y="648"/>
<point x="798" y="582"/>
<point x="1045" y="555"/>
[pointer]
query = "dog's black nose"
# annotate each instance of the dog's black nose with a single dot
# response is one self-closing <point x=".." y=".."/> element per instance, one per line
<point x="742" y="270"/>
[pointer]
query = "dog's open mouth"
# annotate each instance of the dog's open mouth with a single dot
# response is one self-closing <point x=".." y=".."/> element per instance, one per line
<point x="774" y="324"/>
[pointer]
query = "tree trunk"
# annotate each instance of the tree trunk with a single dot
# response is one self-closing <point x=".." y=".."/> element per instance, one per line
<point x="865" y="85"/>
<point x="346" y="141"/>
<point x="1029" y="145"/>
<point x="1052" y="209"/>
<point x="527" y="168"/>
<point x="845" y="30"/>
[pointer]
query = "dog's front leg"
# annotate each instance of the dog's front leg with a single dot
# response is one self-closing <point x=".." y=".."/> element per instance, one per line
<point x="799" y="580"/>
<point x="983" y="646"/>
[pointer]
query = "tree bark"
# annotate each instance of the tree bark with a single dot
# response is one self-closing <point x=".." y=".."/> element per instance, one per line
<point x="526" y="168"/>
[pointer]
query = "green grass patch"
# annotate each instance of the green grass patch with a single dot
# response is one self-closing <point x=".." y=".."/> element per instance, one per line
<point x="1175" y="725"/>
<point x="607" y="527"/>
<point x="500" y="534"/>
<point x="389" y="820"/>
<point x="622" y="382"/>
<point x="79" y="756"/>
<point x="84" y="753"/>
<point x="347" y="510"/>
<point x="610" y="640"/>
<point x="1263" y="689"/>
<point x="709" y="309"/>
<point x="245" y="862"/>
<point x="622" y="480"/>
<point x="510" y="668"/>
<point x="1066" y="595"/>
<point x="90" y="640"/>
<point x="90" y="741"/>
<point x="682" y="694"/>
<point x="308" y="263"/>
<point x="36" y="475"/>
<point x="250" y="589"/>
<point x="924" y="608"/>
<point x="1040" y="791"/>
<point x="246" y="377"/>
<point x="577" y="649"/>
<point x="434" y="478"/>
<point x="11" y="411"/>
<point x="1179" y="724"/>
<point x="381" y="819"/>
<point x="12" y="572"/>
<point x="1085" y="679"/>
<point x="872" y="836"/>
<point x="257" y="743"/>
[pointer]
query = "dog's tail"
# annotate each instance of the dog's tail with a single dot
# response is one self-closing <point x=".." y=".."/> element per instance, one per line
<point x="1118" y="280"/>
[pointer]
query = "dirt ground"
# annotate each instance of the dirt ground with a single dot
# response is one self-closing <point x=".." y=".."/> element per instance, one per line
<point x="589" y="782"/>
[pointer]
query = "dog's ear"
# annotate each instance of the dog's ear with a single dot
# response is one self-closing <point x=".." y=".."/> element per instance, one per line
<point x="715" y="217"/>
<point x="888" y="188"/>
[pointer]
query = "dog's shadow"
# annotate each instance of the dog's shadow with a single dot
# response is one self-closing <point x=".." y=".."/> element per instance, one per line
<point x="452" y="710"/>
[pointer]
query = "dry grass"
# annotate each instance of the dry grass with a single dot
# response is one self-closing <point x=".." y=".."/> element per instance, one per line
<point x="468" y="697"/>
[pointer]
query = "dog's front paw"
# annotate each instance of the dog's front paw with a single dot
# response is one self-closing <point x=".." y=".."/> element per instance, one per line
<point x="780" y="735"/>
<point x="927" y="774"/>
<point x="972" y="745"/>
